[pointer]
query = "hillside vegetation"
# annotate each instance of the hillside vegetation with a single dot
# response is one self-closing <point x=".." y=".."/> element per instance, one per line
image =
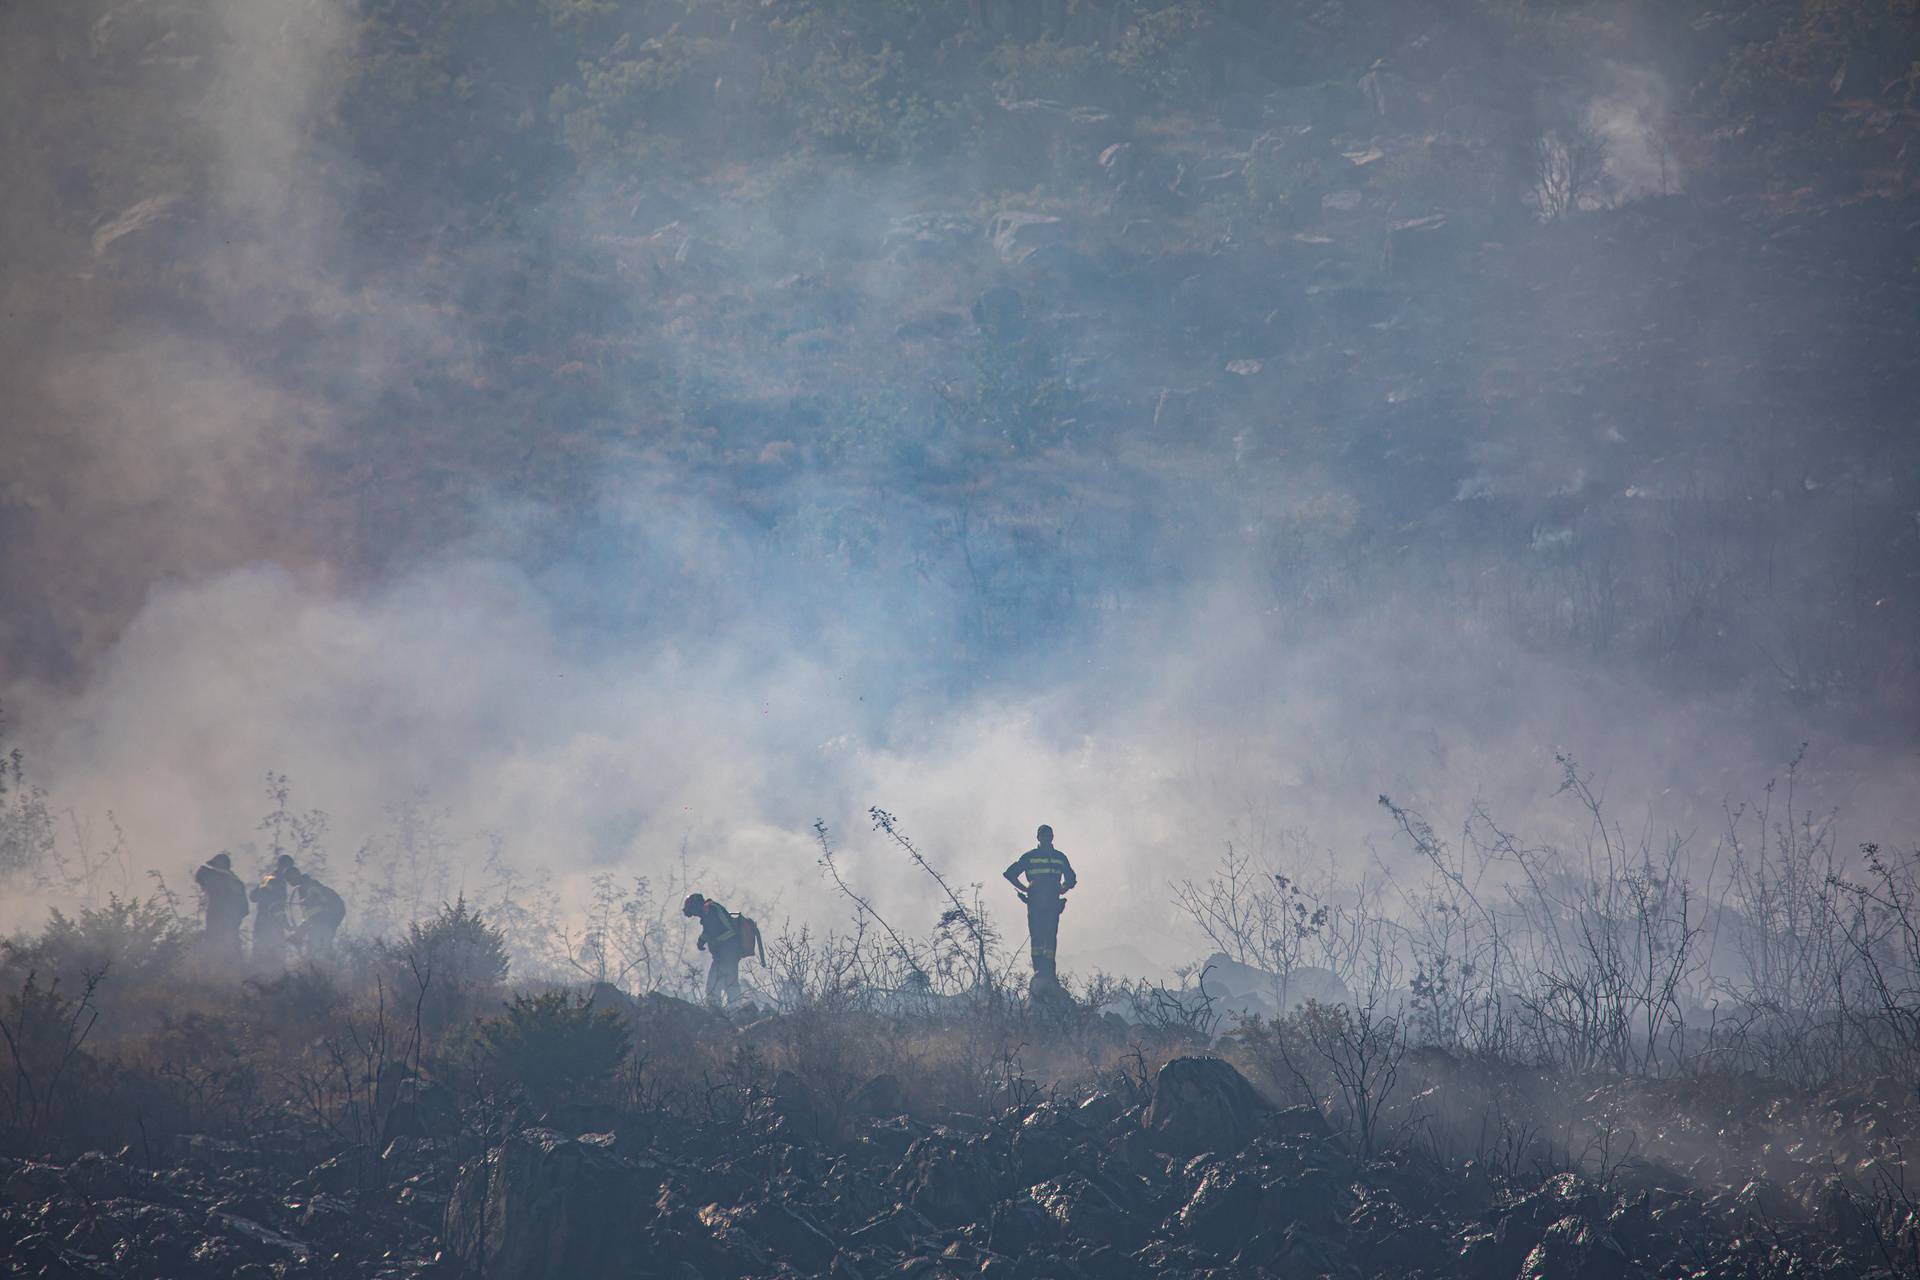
<point x="1587" y="327"/>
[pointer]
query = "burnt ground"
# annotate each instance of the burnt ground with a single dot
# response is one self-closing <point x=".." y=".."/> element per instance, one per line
<point x="1185" y="1169"/>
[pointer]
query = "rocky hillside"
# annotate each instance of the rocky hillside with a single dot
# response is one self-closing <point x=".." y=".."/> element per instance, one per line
<point x="1187" y="1170"/>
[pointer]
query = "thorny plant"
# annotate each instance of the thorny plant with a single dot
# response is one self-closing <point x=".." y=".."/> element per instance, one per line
<point x="624" y="941"/>
<point x="44" y="1032"/>
<point x="366" y="1065"/>
<point x="864" y="909"/>
<point x="27" y="844"/>
<point x="961" y="921"/>
<point x="1606" y="955"/>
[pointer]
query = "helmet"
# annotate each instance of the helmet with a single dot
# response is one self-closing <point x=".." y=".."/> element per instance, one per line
<point x="283" y="863"/>
<point x="221" y="860"/>
<point x="1045" y="833"/>
<point x="693" y="905"/>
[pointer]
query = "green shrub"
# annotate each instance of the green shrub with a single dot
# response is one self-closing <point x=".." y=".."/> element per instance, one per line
<point x="856" y="103"/>
<point x="133" y="941"/>
<point x="637" y="105"/>
<point x="452" y="964"/>
<point x="1072" y="73"/>
<point x="551" y="1048"/>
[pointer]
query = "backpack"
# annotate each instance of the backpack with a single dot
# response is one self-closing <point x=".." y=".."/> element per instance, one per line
<point x="750" y="943"/>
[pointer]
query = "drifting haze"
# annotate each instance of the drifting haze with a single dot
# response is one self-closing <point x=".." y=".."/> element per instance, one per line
<point x="1103" y="553"/>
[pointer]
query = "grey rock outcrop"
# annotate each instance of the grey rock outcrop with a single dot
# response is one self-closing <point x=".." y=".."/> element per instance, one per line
<point x="543" y="1206"/>
<point x="1202" y="1104"/>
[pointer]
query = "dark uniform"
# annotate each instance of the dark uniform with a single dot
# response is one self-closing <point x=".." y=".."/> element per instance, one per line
<point x="226" y="904"/>
<point x="1048" y="876"/>
<point x="270" y="922"/>
<point x="720" y="938"/>
<point x="322" y="911"/>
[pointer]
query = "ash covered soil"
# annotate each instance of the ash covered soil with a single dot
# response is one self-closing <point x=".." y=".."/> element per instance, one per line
<point x="1171" y="1162"/>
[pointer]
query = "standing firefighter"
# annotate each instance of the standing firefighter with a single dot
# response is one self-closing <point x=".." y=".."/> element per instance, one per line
<point x="226" y="904"/>
<point x="1048" y="877"/>
<point x="270" y="916"/>
<point x="725" y="937"/>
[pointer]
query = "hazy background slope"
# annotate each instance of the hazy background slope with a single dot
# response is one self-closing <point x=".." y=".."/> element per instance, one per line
<point x="646" y="428"/>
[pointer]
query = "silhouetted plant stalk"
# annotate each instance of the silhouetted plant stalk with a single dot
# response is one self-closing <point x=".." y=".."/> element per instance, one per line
<point x="863" y="908"/>
<point x="968" y="918"/>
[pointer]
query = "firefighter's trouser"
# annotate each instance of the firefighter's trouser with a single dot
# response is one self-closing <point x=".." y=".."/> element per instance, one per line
<point x="723" y="975"/>
<point x="1043" y="927"/>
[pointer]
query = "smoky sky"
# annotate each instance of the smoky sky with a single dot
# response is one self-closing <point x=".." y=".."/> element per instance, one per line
<point x="1297" y="544"/>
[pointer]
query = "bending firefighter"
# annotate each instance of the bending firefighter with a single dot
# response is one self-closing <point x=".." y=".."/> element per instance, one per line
<point x="728" y="939"/>
<point x="1048" y="878"/>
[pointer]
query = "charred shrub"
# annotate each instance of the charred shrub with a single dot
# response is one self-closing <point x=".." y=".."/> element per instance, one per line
<point x="42" y="1030"/>
<point x="1345" y="1061"/>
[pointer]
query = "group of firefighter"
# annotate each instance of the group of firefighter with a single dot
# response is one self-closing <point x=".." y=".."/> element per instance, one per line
<point x="295" y="913"/>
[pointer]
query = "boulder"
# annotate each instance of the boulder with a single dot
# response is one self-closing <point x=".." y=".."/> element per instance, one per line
<point x="949" y="1185"/>
<point x="664" y="1019"/>
<point x="542" y="1205"/>
<point x="604" y="995"/>
<point x="1016" y="1226"/>
<point x="1043" y="1141"/>
<point x="773" y="1230"/>
<point x="1572" y="1249"/>
<point x="1084" y="1211"/>
<point x="1202" y="1104"/>
<point x="1224" y="1210"/>
<point x="1098" y="1110"/>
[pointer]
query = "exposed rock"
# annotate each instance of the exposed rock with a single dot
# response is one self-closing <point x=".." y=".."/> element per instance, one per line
<point x="949" y="1185"/>
<point x="1572" y="1249"/>
<point x="1202" y="1104"/>
<point x="1016" y="234"/>
<point x="1084" y="1210"/>
<point x="1098" y="1110"/>
<point x="1223" y="1210"/>
<point x="544" y="1205"/>
<point x="1299" y="1121"/>
<point x="604" y="995"/>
